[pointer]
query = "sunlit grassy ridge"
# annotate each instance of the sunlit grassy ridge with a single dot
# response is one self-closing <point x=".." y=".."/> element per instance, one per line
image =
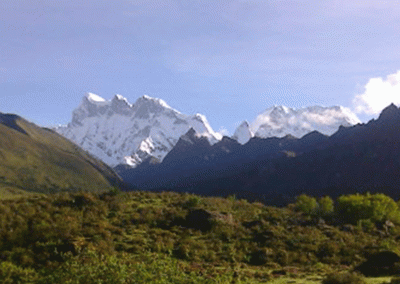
<point x="38" y="159"/>
<point x="144" y="237"/>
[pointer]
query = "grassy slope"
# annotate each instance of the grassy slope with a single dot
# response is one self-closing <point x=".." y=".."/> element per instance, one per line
<point x="11" y="192"/>
<point x="41" y="160"/>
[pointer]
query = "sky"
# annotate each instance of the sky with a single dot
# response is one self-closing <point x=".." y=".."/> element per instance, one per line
<point x="226" y="59"/>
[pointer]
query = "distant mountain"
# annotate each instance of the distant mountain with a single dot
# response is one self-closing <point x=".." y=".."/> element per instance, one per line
<point x="194" y="159"/>
<point x="279" y="121"/>
<point x="360" y="158"/>
<point x="118" y="132"/>
<point x="39" y="159"/>
<point x="124" y="134"/>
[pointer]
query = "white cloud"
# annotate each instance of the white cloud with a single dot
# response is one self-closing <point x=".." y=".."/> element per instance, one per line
<point x="378" y="94"/>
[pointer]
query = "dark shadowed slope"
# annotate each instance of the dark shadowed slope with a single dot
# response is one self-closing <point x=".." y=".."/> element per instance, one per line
<point x="362" y="158"/>
<point x="365" y="157"/>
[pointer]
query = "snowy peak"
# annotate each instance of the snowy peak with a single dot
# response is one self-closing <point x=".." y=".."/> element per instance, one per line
<point x="145" y="99"/>
<point x="279" y="121"/>
<point x="146" y="107"/>
<point x="118" y="97"/>
<point x="91" y="105"/>
<point x="118" y="132"/>
<point x="120" y="105"/>
<point x="243" y="133"/>
<point x="94" y="99"/>
<point x="203" y="128"/>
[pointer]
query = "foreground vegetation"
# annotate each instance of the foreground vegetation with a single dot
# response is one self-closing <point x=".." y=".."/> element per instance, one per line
<point x="144" y="237"/>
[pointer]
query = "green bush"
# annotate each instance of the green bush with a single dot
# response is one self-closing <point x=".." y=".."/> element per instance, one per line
<point x="13" y="274"/>
<point x="376" y="207"/>
<point x="192" y="201"/>
<point x="306" y="204"/>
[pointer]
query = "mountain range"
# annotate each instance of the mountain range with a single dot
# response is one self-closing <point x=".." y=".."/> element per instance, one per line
<point x="154" y="147"/>
<point x="360" y="158"/>
<point x="121" y="133"/>
<point x="279" y="121"/>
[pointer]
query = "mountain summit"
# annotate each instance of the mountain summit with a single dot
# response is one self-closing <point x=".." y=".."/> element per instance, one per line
<point x="243" y="133"/>
<point x="279" y="121"/>
<point x="119" y="132"/>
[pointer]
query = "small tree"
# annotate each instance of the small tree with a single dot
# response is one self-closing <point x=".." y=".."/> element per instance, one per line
<point x="306" y="204"/>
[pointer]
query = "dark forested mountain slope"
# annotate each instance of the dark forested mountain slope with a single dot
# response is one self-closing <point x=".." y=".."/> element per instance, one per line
<point x="193" y="160"/>
<point x="364" y="157"/>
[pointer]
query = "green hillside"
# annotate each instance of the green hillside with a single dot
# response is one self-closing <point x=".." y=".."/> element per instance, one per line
<point x="144" y="237"/>
<point x="40" y="160"/>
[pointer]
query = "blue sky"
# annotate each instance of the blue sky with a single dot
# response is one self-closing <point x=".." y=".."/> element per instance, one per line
<point x="229" y="60"/>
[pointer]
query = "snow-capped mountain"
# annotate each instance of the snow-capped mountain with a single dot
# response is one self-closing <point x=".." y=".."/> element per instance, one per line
<point x="118" y="132"/>
<point x="279" y="121"/>
<point x="243" y="133"/>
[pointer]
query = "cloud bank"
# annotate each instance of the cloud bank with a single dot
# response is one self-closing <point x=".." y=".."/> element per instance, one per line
<point x="378" y="94"/>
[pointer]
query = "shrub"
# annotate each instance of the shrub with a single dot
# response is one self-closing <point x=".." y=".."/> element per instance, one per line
<point x="326" y="206"/>
<point x="193" y="201"/>
<point x="380" y="264"/>
<point x="260" y="256"/>
<point x="395" y="280"/>
<point x="328" y="252"/>
<point x="10" y="273"/>
<point x="376" y="207"/>
<point x="344" y="278"/>
<point x="366" y="225"/>
<point x="306" y="204"/>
